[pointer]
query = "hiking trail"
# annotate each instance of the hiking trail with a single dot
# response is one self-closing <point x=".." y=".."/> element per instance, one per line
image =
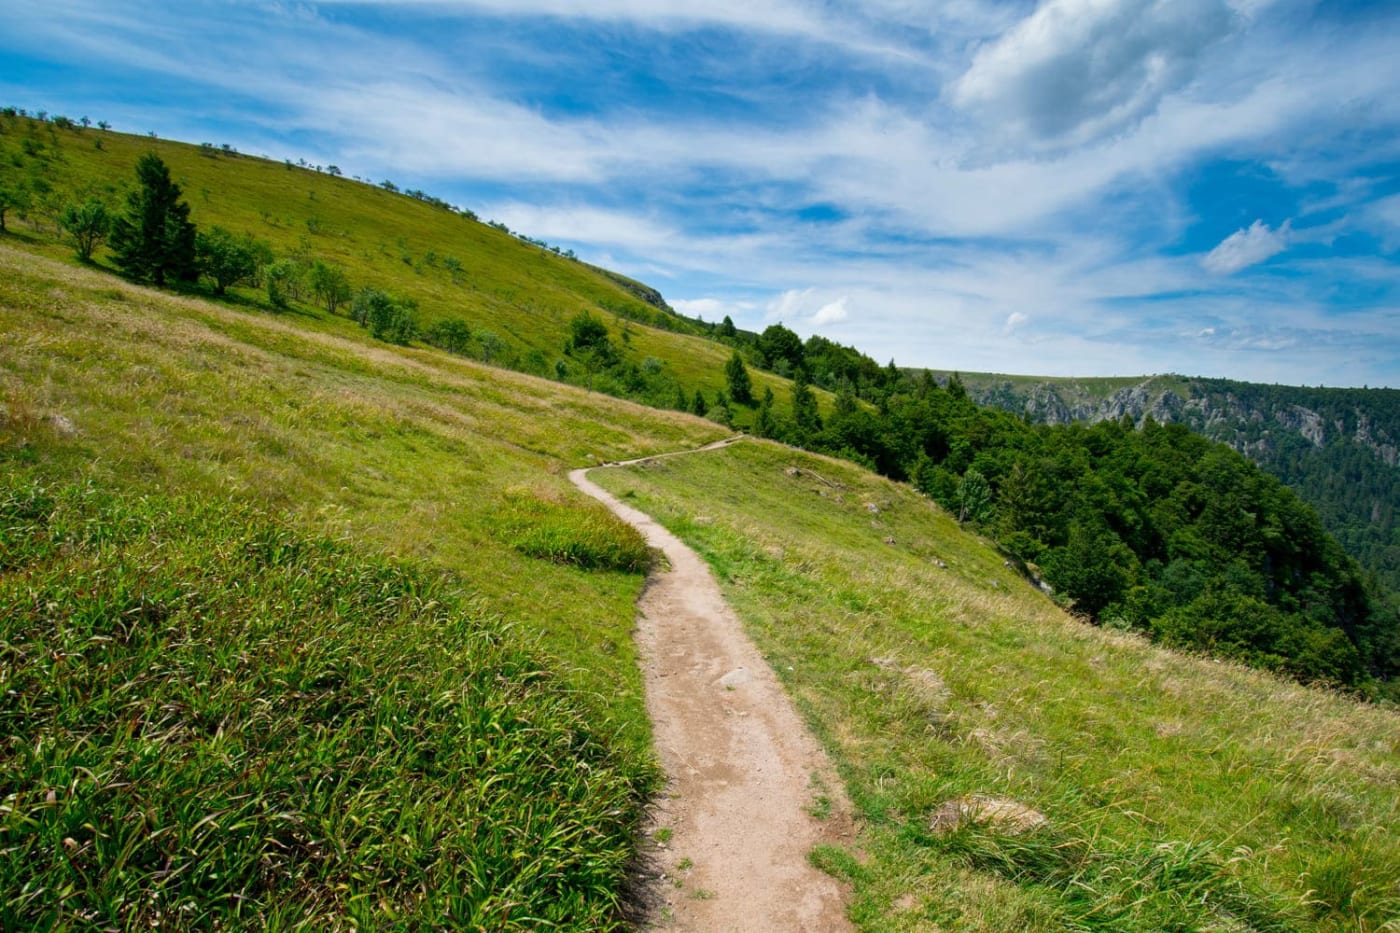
<point x="744" y="776"/>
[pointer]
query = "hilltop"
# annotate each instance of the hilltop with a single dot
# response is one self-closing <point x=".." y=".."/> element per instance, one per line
<point x="473" y="286"/>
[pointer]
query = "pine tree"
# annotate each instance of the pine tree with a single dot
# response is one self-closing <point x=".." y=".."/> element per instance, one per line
<point x="764" y="424"/>
<point x="737" y="375"/>
<point x="804" y="406"/>
<point x="155" y="240"/>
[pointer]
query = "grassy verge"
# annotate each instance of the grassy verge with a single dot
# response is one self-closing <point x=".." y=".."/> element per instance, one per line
<point x="1178" y="794"/>
<point x="215" y="720"/>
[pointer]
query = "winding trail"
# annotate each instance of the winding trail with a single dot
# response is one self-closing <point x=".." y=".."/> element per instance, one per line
<point x="742" y="769"/>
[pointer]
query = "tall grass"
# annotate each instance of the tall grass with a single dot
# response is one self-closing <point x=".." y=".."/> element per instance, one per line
<point x="213" y="720"/>
<point x="584" y="534"/>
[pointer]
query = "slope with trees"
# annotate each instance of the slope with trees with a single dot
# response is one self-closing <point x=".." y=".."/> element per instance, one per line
<point x="1337" y="448"/>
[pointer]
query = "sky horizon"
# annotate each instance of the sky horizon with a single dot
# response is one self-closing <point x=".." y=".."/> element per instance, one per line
<point x="1058" y="188"/>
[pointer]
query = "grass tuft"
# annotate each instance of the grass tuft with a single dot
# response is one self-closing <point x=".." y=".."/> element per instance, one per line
<point x="583" y="534"/>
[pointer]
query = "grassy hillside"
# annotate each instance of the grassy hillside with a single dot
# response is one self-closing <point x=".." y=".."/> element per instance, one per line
<point x="184" y="414"/>
<point x="312" y="630"/>
<point x="1179" y="794"/>
<point x="517" y="298"/>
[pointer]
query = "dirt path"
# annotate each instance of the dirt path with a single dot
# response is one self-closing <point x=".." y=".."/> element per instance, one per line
<point x="743" y="770"/>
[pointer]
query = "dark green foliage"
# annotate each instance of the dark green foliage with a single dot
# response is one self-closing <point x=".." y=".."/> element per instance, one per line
<point x="699" y="406"/>
<point x="283" y="280"/>
<point x="974" y="497"/>
<point x="765" y="424"/>
<point x="13" y="197"/>
<point x="214" y="722"/>
<point x="805" y="417"/>
<point x="1227" y="623"/>
<point x="1334" y="447"/>
<point x="721" y="412"/>
<point x="155" y="240"/>
<point x="588" y="335"/>
<point x="88" y="224"/>
<point x="452" y="335"/>
<point x="781" y="348"/>
<point x="588" y="342"/>
<point x="736" y="376"/>
<point x="1158" y="529"/>
<point x="726" y="329"/>
<point x="224" y="258"/>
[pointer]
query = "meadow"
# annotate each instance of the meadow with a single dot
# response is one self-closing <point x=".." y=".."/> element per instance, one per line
<point x="1177" y="793"/>
<point x="310" y="630"/>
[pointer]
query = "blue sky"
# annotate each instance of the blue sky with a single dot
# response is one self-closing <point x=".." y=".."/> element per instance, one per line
<point x="1064" y="187"/>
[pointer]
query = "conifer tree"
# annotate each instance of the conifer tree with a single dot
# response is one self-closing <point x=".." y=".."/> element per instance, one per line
<point x="804" y="406"/>
<point x="737" y="375"/>
<point x="155" y="240"/>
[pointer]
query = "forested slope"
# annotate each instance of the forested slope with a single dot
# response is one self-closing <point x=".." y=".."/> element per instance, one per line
<point x="1337" y="448"/>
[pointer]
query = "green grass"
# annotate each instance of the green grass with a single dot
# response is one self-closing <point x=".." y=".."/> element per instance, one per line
<point x="213" y="508"/>
<point x="1181" y="794"/>
<point x="398" y="450"/>
<point x="522" y="294"/>
<point x="591" y="537"/>
<point x="214" y="720"/>
<point x="201" y="428"/>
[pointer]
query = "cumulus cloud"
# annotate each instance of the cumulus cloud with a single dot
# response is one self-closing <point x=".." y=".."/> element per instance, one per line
<point x="1246" y="247"/>
<point x="832" y="312"/>
<point x="1077" y="70"/>
<point x="1014" y="321"/>
<point x="711" y="309"/>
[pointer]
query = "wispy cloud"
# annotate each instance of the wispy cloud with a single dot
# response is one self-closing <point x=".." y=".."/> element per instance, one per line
<point x="1246" y="247"/>
<point x="1076" y="70"/>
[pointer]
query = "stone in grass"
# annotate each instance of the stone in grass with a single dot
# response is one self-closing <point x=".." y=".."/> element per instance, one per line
<point x="1000" y="813"/>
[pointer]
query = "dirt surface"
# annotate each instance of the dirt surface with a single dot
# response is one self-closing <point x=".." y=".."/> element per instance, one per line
<point x="745" y="776"/>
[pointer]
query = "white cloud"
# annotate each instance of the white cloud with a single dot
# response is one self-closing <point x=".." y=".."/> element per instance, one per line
<point x="1014" y="321"/>
<point x="791" y="304"/>
<point x="1246" y="247"/>
<point x="1078" y="70"/>
<point x="831" y="313"/>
